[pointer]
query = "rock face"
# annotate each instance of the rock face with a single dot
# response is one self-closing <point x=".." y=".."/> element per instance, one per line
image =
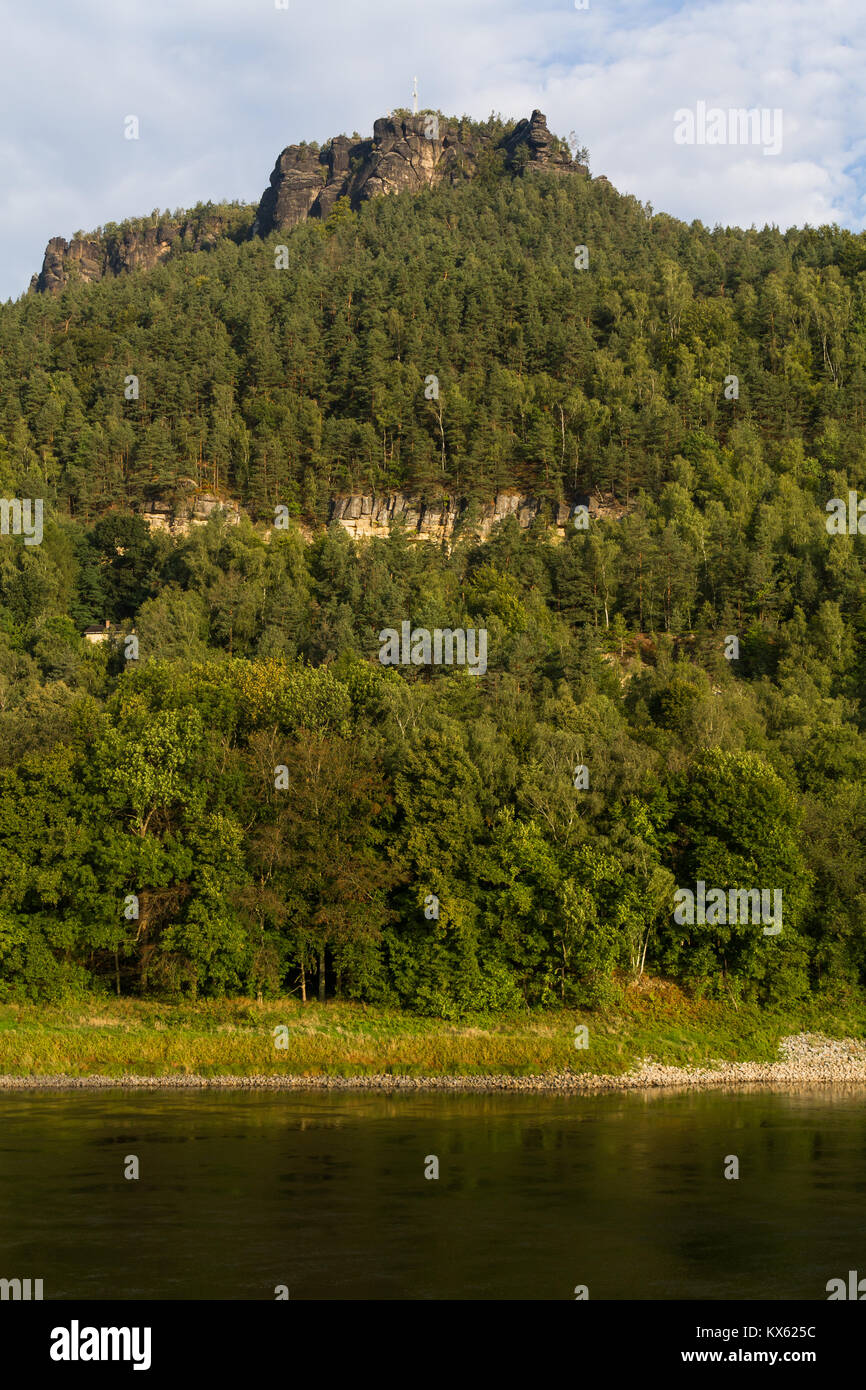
<point x="195" y="511"/>
<point x="365" y="515"/>
<point x="540" y="144"/>
<point x="129" y="247"/>
<point x="406" y="153"/>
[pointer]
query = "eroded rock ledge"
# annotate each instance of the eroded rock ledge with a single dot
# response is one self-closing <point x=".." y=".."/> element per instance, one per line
<point x="370" y="514"/>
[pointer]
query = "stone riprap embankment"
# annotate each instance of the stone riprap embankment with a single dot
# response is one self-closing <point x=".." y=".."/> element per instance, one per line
<point x="807" y="1060"/>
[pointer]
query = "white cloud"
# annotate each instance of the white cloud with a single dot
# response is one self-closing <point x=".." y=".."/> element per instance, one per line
<point x="795" y="55"/>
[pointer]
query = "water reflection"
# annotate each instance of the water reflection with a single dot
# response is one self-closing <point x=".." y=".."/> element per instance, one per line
<point x="241" y="1191"/>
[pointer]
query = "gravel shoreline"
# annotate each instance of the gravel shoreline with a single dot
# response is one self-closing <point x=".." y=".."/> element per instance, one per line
<point x="809" y="1059"/>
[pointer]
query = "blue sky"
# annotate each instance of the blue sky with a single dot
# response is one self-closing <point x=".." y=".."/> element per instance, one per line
<point x="221" y="86"/>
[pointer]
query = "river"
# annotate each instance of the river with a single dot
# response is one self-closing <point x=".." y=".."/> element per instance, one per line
<point x="325" y="1193"/>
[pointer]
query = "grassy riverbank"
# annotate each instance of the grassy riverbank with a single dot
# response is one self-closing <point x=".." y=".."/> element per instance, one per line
<point x="116" y="1037"/>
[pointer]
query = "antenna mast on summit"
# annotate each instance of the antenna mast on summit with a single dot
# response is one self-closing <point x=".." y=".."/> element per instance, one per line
<point x="415" y="96"/>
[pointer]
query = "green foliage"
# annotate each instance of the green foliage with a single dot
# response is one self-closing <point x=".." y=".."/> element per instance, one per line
<point x="158" y="777"/>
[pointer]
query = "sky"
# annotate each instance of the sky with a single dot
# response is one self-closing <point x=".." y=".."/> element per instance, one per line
<point x="219" y="87"/>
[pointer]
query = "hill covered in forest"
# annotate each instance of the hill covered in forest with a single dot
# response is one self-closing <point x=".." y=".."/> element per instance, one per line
<point x="511" y="329"/>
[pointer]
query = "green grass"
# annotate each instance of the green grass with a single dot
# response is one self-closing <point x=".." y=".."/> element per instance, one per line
<point x="111" y="1037"/>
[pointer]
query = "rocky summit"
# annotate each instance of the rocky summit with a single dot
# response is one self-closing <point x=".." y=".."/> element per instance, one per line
<point x="405" y="154"/>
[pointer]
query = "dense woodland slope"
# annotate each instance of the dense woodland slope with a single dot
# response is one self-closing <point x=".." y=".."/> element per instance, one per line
<point x="275" y="387"/>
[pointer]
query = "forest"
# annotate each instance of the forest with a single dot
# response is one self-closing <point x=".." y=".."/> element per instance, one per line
<point x="427" y="846"/>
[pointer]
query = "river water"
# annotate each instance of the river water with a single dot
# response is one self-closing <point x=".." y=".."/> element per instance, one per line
<point x="240" y="1192"/>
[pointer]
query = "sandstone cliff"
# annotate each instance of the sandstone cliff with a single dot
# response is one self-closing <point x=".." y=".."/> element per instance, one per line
<point x="368" y="515"/>
<point x="139" y="244"/>
<point x="406" y="153"/>
<point x="194" y="510"/>
<point x="365" y="515"/>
